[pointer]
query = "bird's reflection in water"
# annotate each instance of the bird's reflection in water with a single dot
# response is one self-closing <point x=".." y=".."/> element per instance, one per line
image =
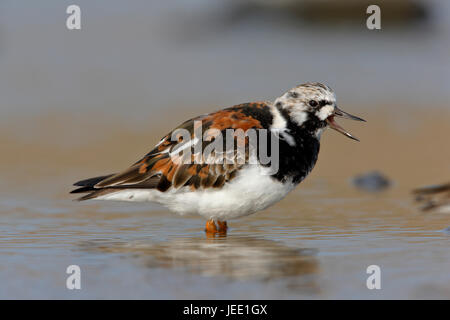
<point x="234" y="257"/>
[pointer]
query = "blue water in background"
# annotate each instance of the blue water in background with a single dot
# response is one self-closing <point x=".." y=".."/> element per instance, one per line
<point x="136" y="57"/>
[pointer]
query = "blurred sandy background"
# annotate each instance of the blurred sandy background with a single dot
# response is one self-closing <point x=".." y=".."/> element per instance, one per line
<point x="135" y="70"/>
<point x="90" y="102"/>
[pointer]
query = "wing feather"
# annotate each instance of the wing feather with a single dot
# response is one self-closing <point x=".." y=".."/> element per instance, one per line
<point x="162" y="169"/>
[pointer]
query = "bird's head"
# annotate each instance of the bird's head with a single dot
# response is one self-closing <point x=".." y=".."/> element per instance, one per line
<point x="313" y="106"/>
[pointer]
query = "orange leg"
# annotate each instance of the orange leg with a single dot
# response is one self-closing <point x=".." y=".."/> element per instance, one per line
<point x="223" y="227"/>
<point x="212" y="229"/>
<point x="210" y="226"/>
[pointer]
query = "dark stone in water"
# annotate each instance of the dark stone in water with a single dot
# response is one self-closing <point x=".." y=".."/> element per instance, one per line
<point x="371" y="181"/>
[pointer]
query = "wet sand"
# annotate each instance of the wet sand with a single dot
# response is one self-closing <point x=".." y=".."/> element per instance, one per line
<point x="316" y="243"/>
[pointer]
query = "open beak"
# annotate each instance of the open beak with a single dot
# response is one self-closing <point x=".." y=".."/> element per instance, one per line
<point x="342" y="114"/>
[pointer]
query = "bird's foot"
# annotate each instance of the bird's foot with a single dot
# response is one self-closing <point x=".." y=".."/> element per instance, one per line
<point x="223" y="227"/>
<point x="212" y="229"/>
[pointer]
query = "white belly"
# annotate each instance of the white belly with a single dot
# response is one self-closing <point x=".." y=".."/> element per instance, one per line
<point x="250" y="191"/>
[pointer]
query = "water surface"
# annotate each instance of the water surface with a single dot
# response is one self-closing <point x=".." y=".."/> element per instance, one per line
<point x="316" y="243"/>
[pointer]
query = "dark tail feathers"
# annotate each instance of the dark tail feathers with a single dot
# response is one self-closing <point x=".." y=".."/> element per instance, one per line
<point x="88" y="184"/>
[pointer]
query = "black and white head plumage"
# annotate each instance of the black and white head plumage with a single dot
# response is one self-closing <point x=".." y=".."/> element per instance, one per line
<point x="309" y="102"/>
<point x="312" y="106"/>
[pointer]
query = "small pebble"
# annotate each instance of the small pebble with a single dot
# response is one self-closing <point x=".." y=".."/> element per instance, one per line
<point x="372" y="181"/>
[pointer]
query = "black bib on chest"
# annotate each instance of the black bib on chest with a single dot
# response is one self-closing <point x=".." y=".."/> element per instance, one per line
<point x="297" y="161"/>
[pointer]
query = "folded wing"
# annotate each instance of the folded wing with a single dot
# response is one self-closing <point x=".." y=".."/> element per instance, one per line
<point x="175" y="162"/>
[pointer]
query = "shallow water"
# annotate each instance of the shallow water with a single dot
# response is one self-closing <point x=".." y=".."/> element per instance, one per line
<point x="91" y="102"/>
<point x="316" y="243"/>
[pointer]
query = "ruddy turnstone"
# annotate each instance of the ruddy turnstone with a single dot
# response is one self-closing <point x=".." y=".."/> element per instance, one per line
<point x="223" y="184"/>
<point x="434" y="198"/>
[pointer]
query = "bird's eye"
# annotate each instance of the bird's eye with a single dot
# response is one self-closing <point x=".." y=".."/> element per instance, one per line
<point x="294" y="94"/>
<point x="313" y="103"/>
